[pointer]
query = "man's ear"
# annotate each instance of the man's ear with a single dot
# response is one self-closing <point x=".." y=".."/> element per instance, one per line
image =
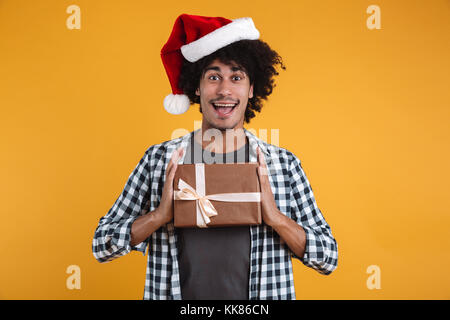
<point x="197" y="92"/>
<point x="250" y="92"/>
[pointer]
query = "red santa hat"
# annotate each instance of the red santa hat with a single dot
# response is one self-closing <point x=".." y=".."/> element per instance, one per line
<point x="194" y="37"/>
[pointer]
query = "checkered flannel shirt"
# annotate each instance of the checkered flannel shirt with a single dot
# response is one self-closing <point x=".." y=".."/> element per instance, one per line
<point x="271" y="275"/>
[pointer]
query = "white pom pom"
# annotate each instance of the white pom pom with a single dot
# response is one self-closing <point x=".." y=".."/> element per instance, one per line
<point x="176" y="103"/>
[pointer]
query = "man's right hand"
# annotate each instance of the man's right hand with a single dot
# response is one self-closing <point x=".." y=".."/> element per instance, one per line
<point x="165" y="209"/>
<point x="145" y="225"/>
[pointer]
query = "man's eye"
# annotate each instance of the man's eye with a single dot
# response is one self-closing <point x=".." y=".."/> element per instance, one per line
<point x="237" y="78"/>
<point x="213" y="78"/>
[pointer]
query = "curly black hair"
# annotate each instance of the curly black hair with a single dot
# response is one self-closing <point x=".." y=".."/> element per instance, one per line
<point x="254" y="56"/>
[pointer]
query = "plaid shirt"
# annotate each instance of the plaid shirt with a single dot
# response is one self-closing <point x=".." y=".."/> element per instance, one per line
<point x="271" y="275"/>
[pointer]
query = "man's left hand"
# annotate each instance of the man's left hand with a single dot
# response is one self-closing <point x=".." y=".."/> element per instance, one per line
<point x="270" y="212"/>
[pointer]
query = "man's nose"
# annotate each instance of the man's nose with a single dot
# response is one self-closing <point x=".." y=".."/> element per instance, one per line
<point x="224" y="88"/>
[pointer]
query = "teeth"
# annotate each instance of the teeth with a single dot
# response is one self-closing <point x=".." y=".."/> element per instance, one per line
<point x="224" y="105"/>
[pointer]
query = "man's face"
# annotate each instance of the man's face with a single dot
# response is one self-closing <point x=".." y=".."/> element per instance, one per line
<point x="224" y="92"/>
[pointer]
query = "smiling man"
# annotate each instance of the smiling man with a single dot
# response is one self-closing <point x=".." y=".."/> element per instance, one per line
<point x="222" y="65"/>
<point x="224" y="92"/>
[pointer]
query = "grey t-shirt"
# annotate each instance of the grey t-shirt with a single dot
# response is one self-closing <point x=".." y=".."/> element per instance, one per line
<point x="214" y="262"/>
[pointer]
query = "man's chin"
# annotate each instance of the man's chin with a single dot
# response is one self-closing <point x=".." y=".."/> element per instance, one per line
<point x="225" y="126"/>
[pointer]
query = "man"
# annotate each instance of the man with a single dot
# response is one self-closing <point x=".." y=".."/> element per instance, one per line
<point x="223" y="66"/>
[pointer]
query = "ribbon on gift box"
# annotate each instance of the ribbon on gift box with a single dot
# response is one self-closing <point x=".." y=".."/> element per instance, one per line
<point x="204" y="209"/>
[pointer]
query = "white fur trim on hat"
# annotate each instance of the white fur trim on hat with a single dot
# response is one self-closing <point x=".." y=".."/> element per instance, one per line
<point x="176" y="103"/>
<point x="238" y="29"/>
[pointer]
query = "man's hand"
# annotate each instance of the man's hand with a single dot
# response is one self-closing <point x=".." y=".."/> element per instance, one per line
<point x="288" y="230"/>
<point x="165" y="209"/>
<point x="148" y="223"/>
<point x="270" y="212"/>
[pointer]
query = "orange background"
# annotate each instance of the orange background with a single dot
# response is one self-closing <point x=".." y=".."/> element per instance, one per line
<point x="366" y="111"/>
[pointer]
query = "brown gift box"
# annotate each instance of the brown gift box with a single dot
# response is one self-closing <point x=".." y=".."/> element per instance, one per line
<point x="220" y="178"/>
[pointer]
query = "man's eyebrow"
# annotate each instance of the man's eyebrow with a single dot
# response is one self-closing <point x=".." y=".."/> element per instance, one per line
<point x="215" y="68"/>
<point x="211" y="68"/>
<point x="236" y="68"/>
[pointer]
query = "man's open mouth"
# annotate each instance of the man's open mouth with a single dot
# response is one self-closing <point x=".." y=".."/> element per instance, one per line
<point x="224" y="109"/>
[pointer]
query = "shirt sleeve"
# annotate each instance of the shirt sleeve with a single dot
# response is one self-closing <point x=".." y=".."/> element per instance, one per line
<point x="321" y="251"/>
<point x="113" y="234"/>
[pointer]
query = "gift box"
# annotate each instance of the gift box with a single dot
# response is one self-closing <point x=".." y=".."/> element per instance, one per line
<point x="216" y="195"/>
